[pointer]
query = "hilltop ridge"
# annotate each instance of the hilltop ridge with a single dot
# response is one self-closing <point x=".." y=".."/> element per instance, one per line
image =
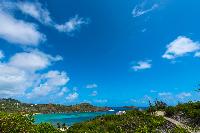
<point x="15" y="106"/>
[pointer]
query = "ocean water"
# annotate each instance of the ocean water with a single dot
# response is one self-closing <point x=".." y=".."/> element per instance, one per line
<point x="71" y="118"/>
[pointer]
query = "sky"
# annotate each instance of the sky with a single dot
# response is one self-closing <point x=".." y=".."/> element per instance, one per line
<point x="107" y="53"/>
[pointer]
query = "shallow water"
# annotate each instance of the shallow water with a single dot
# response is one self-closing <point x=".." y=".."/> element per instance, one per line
<point x="71" y="118"/>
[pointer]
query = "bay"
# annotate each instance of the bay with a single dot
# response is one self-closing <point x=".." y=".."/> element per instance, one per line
<point x="75" y="117"/>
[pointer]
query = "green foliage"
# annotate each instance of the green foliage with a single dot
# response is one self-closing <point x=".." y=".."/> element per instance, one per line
<point x="17" y="123"/>
<point x="132" y="121"/>
<point x="46" y="128"/>
<point x="14" y="106"/>
<point x="190" y="110"/>
<point x="179" y="130"/>
<point x="158" y="105"/>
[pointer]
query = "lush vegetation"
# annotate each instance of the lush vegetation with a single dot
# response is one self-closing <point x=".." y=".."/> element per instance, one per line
<point x="13" y="106"/>
<point x="158" y="105"/>
<point x="17" y="123"/>
<point x="188" y="113"/>
<point x="132" y="121"/>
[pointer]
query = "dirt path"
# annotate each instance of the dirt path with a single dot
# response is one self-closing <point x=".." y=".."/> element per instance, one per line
<point x="177" y="123"/>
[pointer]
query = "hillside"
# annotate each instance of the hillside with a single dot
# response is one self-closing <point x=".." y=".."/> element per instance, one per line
<point x="15" y="106"/>
<point x="132" y="122"/>
<point x="187" y="113"/>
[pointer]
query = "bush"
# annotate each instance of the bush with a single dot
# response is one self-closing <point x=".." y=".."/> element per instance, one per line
<point x="132" y="121"/>
<point x="17" y="123"/>
<point x="189" y="111"/>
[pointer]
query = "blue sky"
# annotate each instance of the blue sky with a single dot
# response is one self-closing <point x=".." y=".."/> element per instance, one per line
<point x="103" y="52"/>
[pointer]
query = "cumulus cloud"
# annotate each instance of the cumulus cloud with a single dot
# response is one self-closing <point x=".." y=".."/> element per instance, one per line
<point x="17" y="76"/>
<point x="183" y="95"/>
<point x="72" y="25"/>
<point x="197" y="54"/>
<point x="141" y="65"/>
<point x="41" y="14"/>
<point x="91" y="86"/>
<point x="1" y="54"/>
<point x="49" y="83"/>
<point x="141" y="9"/>
<point x="180" y="47"/>
<point x="36" y="11"/>
<point x="174" y="98"/>
<point x="101" y="101"/>
<point x="72" y="96"/>
<point x="164" y="94"/>
<point x="28" y="34"/>
<point x="133" y="100"/>
<point x="63" y="91"/>
<point x="13" y="81"/>
<point x="18" y="31"/>
<point x="34" y="60"/>
<point x="94" y="93"/>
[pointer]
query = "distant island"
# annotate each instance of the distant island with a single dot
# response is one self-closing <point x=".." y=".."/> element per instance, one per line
<point x="14" y="106"/>
<point x="130" y="107"/>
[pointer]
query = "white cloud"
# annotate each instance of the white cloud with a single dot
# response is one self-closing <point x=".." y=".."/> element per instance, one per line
<point x="94" y="93"/>
<point x="142" y="65"/>
<point x="86" y="101"/>
<point x="180" y="47"/>
<point x="72" y="96"/>
<point x="39" y="12"/>
<point x="63" y="91"/>
<point x="183" y="95"/>
<point x="18" y="31"/>
<point x="167" y="97"/>
<point x="91" y="86"/>
<point x="49" y="83"/>
<point x="140" y="10"/>
<point x="72" y="25"/>
<point x="1" y="54"/>
<point x="164" y="94"/>
<point x="197" y="54"/>
<point x="33" y="61"/>
<point x="36" y="11"/>
<point x="143" y="30"/>
<point x="13" y="81"/>
<point x="101" y="101"/>
<point x="18" y="77"/>
<point x="133" y="100"/>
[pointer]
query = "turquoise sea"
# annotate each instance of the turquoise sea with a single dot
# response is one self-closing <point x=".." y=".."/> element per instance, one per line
<point x="71" y="118"/>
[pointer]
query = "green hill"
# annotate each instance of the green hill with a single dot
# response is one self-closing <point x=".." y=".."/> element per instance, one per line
<point x="14" y="106"/>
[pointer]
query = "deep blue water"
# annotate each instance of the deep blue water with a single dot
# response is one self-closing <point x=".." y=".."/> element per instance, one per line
<point x="71" y="118"/>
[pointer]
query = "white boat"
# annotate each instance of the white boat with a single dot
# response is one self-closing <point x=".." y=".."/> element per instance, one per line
<point x="111" y="110"/>
<point x="121" y="112"/>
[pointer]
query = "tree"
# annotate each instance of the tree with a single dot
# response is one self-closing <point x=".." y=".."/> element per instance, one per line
<point x="160" y="105"/>
<point x="58" y="125"/>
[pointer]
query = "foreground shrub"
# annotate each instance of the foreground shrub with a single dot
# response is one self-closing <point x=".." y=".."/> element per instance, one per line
<point x="131" y="122"/>
<point x="189" y="113"/>
<point x="17" y="123"/>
